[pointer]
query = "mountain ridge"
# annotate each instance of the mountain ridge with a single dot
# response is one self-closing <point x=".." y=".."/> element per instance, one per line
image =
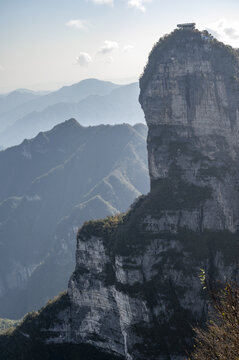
<point x="135" y="292"/>
<point x="119" y="106"/>
<point x="75" y="92"/>
<point x="59" y="176"/>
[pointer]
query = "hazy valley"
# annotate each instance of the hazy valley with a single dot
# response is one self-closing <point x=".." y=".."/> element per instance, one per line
<point x="117" y="238"/>
<point x="91" y="102"/>
<point x="50" y="185"/>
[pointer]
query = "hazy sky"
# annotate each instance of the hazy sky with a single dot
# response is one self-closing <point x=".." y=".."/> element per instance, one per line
<point x="49" y="43"/>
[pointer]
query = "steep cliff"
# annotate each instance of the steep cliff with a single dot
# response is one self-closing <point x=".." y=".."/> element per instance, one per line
<point x="190" y="97"/>
<point x="135" y="291"/>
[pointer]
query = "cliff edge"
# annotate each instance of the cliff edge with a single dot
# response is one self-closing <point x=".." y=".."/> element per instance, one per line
<point x="135" y="292"/>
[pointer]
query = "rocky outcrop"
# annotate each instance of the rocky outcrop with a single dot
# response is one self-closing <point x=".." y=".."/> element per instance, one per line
<point x="190" y="97"/>
<point x="135" y="292"/>
<point x="189" y="94"/>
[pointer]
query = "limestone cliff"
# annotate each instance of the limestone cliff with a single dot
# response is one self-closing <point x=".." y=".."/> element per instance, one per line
<point x="135" y="292"/>
<point x="190" y="97"/>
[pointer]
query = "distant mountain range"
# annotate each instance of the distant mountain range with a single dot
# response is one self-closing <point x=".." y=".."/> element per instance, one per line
<point x="49" y="186"/>
<point x="23" y="113"/>
<point x="115" y="104"/>
<point x="72" y="93"/>
<point x="16" y="98"/>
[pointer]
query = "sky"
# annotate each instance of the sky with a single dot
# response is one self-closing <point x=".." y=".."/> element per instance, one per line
<point x="47" y="44"/>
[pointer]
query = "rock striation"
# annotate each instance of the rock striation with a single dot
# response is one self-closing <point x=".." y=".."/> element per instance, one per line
<point x="135" y="292"/>
<point x="190" y="97"/>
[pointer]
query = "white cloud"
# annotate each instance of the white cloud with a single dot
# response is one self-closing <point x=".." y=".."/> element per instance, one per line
<point x="138" y="4"/>
<point x="83" y="59"/>
<point x="77" y="24"/>
<point x="225" y="31"/>
<point x="127" y="48"/>
<point x="2" y="68"/>
<point x="108" y="47"/>
<point x="109" y="60"/>
<point x="104" y="2"/>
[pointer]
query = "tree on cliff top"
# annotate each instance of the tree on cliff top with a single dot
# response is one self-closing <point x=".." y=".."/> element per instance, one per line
<point x="220" y="340"/>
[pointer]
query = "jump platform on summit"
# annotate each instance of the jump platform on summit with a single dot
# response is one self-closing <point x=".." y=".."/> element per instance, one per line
<point x="187" y="26"/>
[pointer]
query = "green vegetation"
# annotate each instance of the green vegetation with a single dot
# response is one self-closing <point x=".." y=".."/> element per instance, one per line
<point x="124" y="234"/>
<point x="153" y="60"/>
<point x="59" y="191"/>
<point x="220" y="339"/>
<point x="181" y="252"/>
<point x="182" y="40"/>
<point x="45" y="317"/>
<point x="6" y="324"/>
<point x="100" y="228"/>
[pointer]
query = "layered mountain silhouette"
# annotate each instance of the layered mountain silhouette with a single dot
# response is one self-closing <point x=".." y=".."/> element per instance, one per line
<point x="135" y="293"/>
<point x="49" y="186"/>
<point x="91" y="102"/>
<point x="71" y="93"/>
<point x="16" y="98"/>
<point x="120" y="105"/>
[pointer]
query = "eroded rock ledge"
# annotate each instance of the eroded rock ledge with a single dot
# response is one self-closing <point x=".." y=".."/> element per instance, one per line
<point x="135" y="292"/>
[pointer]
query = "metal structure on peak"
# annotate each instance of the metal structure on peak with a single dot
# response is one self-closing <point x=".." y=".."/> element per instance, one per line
<point x="187" y="26"/>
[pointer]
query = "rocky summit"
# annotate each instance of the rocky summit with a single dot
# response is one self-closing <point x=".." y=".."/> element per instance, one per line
<point x="135" y="292"/>
<point x="190" y="97"/>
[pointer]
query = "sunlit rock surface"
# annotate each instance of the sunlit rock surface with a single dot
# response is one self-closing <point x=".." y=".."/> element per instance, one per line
<point x="135" y="291"/>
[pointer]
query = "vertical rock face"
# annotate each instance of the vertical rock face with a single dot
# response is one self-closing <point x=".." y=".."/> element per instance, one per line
<point x="190" y="97"/>
<point x="135" y="292"/>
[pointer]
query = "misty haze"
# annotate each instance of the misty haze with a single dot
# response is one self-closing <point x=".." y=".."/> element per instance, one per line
<point x="119" y="173"/>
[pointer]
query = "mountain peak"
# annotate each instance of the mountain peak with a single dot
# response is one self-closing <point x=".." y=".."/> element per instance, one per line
<point x="67" y="124"/>
<point x="70" y="122"/>
<point x="188" y="48"/>
<point x="135" y="291"/>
